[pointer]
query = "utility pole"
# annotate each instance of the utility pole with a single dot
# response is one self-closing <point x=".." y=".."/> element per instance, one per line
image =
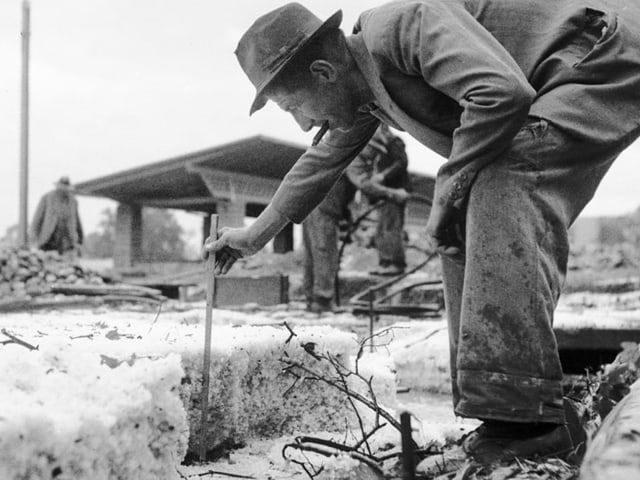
<point x="24" y="128"/>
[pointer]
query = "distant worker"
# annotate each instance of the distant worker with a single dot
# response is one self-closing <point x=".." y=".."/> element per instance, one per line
<point x="380" y="172"/>
<point x="375" y="174"/>
<point x="56" y="223"/>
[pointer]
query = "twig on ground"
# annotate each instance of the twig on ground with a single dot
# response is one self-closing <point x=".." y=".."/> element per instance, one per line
<point x="291" y="334"/>
<point x="182" y="475"/>
<point x="216" y="472"/>
<point x="328" y="448"/>
<point x="16" y="340"/>
<point x="88" y="335"/>
<point x="157" y="316"/>
<point x="432" y="449"/>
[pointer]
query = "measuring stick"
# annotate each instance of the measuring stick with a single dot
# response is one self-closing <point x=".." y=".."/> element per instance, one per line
<point x="206" y="363"/>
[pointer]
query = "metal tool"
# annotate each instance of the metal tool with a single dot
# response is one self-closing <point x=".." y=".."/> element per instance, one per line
<point x="206" y="363"/>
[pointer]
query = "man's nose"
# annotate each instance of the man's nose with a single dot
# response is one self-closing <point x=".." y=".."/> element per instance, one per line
<point x="304" y="122"/>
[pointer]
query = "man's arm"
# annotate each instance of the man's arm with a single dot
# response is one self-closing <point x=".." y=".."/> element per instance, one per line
<point x="302" y="189"/>
<point x="399" y="162"/>
<point x="235" y="243"/>
<point x="454" y="54"/>
<point x="319" y="168"/>
<point x="360" y="175"/>
<point x="79" y="229"/>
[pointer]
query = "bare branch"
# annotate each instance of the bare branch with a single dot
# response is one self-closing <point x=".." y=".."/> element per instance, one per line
<point x="362" y="399"/>
<point x="216" y="472"/>
<point x="343" y="380"/>
<point x="16" y="340"/>
<point x="157" y="316"/>
<point x="369" y="435"/>
<point x="291" y="387"/>
<point x="88" y="335"/>
<point x="291" y="334"/>
<point x="330" y="451"/>
<point x="338" y="376"/>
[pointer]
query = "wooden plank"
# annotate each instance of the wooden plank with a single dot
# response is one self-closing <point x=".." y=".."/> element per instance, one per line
<point x="98" y="290"/>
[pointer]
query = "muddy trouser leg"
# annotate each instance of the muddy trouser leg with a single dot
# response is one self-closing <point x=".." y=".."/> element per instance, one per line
<point x="501" y="293"/>
<point x="307" y="259"/>
<point x="321" y="254"/>
<point x="321" y="241"/>
<point x="390" y="235"/>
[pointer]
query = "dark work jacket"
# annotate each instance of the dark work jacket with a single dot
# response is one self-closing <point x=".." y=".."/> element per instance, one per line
<point x="50" y="211"/>
<point x="462" y="76"/>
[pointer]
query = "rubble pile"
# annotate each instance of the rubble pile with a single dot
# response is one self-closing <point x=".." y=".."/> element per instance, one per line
<point x="30" y="272"/>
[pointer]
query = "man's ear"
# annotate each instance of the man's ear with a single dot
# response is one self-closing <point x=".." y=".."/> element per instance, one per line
<point x="323" y="71"/>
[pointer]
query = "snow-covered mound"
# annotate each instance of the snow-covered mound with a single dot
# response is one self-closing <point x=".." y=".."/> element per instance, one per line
<point x="250" y="392"/>
<point x="75" y="415"/>
<point x="420" y="352"/>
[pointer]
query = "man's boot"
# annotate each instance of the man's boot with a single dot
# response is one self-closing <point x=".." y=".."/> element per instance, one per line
<point x="497" y="441"/>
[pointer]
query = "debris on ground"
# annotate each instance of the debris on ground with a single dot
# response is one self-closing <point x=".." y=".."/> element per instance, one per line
<point x="35" y="279"/>
<point x="29" y="272"/>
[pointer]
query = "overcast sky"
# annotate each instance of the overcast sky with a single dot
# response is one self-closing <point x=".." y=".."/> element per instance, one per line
<point x="119" y="83"/>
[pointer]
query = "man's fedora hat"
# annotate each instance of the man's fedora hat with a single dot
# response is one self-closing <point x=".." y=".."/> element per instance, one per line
<point x="274" y="39"/>
<point x="64" y="181"/>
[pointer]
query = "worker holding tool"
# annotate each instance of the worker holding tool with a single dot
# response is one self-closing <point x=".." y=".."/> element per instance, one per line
<point x="530" y="102"/>
<point x="379" y="172"/>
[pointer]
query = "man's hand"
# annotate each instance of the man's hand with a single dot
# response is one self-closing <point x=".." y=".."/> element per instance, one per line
<point x="377" y="178"/>
<point x="232" y="244"/>
<point x="399" y="195"/>
<point x="445" y="229"/>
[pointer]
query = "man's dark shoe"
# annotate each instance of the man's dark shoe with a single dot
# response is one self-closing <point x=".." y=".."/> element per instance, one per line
<point x="494" y="442"/>
<point x="497" y="443"/>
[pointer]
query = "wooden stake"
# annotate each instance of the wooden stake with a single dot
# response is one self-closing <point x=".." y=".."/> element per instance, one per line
<point x="408" y="448"/>
<point x="206" y="364"/>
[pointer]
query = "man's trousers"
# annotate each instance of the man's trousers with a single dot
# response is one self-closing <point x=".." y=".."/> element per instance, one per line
<point x="502" y="291"/>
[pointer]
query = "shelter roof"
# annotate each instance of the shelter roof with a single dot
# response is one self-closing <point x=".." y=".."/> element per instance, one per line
<point x="178" y="182"/>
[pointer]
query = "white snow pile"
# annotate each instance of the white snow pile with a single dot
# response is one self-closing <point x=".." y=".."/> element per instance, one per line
<point x="420" y="352"/>
<point x="64" y="409"/>
<point x="69" y="415"/>
<point x="251" y="396"/>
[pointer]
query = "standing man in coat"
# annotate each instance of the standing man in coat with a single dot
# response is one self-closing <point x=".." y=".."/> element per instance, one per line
<point x="530" y="102"/>
<point x="379" y="172"/>
<point x="56" y="223"/>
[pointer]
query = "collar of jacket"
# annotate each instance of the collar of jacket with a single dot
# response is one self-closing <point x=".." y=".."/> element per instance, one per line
<point x="439" y="143"/>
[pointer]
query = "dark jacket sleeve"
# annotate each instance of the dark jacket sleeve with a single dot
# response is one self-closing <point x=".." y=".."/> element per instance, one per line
<point x="395" y="175"/>
<point x="315" y="172"/>
<point x="38" y="220"/>
<point x="79" y="229"/>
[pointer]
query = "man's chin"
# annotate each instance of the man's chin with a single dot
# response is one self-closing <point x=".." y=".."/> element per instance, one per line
<point x="343" y="126"/>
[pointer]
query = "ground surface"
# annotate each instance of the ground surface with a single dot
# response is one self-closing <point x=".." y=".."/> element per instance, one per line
<point x="615" y="283"/>
<point x="261" y="459"/>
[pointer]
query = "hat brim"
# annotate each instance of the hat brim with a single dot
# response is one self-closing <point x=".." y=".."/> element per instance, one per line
<point x="260" y="100"/>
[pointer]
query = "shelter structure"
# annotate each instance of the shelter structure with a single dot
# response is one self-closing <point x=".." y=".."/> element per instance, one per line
<point x="234" y="180"/>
